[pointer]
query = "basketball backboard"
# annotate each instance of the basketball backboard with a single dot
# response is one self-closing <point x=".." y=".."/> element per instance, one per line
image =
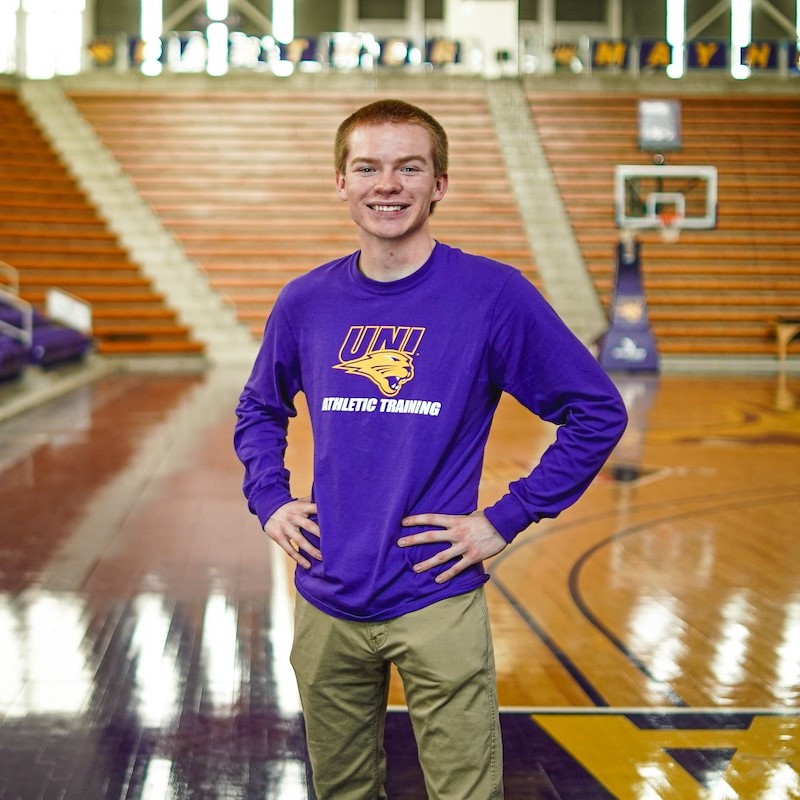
<point x="645" y="196"/>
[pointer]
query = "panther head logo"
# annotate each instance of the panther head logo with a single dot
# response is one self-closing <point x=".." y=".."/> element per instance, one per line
<point x="387" y="369"/>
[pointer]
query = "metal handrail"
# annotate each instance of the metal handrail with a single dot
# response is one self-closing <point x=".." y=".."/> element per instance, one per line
<point x="24" y="333"/>
<point x="55" y="302"/>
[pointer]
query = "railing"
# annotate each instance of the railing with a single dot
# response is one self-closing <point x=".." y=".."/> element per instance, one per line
<point x="22" y="333"/>
<point x="69" y="310"/>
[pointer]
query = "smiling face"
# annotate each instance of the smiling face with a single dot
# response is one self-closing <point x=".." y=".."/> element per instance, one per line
<point x="389" y="184"/>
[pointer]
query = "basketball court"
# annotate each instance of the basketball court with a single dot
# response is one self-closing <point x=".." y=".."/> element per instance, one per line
<point x="646" y="640"/>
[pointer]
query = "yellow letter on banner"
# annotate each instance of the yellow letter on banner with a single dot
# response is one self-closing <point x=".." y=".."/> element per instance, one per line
<point x="610" y="54"/>
<point x="757" y="55"/>
<point x="705" y="52"/>
<point x="659" y="56"/>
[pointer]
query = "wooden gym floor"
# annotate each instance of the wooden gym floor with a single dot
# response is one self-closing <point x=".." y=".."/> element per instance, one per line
<point x="648" y="640"/>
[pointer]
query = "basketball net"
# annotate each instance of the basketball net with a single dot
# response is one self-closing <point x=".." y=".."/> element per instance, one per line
<point x="669" y="225"/>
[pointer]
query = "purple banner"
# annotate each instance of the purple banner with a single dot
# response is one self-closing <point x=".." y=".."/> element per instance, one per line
<point x="761" y="55"/>
<point x="610" y="53"/>
<point x="708" y="54"/>
<point x="188" y="51"/>
<point x="654" y="54"/>
<point x="794" y="58"/>
<point x="629" y="343"/>
<point x="302" y="49"/>
<point x="395" y="52"/>
<point x="565" y="56"/>
<point x="440" y="52"/>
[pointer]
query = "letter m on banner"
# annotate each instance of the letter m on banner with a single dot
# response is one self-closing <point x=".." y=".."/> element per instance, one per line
<point x="610" y="53"/>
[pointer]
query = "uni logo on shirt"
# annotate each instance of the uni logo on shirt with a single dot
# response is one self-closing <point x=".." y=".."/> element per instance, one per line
<point x="381" y="353"/>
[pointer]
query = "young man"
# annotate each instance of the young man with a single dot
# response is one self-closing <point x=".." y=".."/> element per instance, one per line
<point x="403" y="349"/>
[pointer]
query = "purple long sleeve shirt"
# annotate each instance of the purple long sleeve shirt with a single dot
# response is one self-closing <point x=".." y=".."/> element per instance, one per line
<point x="402" y="380"/>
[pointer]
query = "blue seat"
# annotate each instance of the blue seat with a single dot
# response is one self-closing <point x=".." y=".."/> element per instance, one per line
<point x="52" y="344"/>
<point x="55" y="344"/>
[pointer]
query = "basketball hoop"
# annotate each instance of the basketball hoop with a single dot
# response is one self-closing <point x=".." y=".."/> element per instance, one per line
<point x="669" y="225"/>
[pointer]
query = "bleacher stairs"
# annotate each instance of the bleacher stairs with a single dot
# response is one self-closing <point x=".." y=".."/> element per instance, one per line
<point x="244" y="179"/>
<point x="163" y="263"/>
<point x="569" y="286"/>
<point x="53" y="235"/>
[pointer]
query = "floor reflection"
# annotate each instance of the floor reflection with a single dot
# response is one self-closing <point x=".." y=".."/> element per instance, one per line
<point x="138" y="658"/>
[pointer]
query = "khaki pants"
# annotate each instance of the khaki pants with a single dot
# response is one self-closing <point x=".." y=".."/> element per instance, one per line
<point x="444" y="655"/>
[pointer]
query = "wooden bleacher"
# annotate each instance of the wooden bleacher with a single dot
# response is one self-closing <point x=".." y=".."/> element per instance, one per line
<point x="54" y="237"/>
<point x="245" y="180"/>
<point x="713" y="293"/>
